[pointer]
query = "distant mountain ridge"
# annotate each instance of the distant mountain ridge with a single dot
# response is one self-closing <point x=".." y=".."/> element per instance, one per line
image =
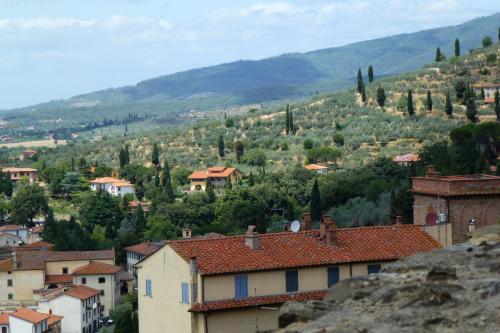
<point x="287" y="76"/>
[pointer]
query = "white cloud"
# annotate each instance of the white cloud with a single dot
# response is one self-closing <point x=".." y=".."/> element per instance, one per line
<point x="45" y="23"/>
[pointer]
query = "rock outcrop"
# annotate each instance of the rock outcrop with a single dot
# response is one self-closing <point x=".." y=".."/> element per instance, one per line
<point x="456" y="289"/>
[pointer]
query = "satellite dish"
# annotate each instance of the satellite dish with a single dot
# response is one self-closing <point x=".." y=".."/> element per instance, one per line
<point x="295" y="226"/>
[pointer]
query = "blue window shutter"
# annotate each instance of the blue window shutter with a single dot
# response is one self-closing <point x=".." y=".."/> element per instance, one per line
<point x="185" y="293"/>
<point x="372" y="269"/>
<point x="292" y="281"/>
<point x="333" y="276"/>
<point x="241" y="286"/>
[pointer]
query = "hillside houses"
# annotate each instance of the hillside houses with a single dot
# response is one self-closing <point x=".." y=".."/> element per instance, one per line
<point x="16" y="174"/>
<point x="114" y="186"/>
<point x="229" y="284"/>
<point x="218" y="177"/>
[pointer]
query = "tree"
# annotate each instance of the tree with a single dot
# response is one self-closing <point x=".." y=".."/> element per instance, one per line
<point x="166" y="182"/>
<point x="50" y="229"/>
<point x="139" y="190"/>
<point x="229" y="122"/>
<point x="448" y="108"/>
<point x="308" y="144"/>
<point x="499" y="34"/>
<point x="315" y="202"/>
<point x="221" y="146"/>
<point x="381" y="96"/>
<point x="287" y="119"/>
<point x="359" y="81"/>
<point x="410" y="107"/>
<point x="72" y="163"/>
<point x="155" y="155"/>
<point x="4" y="209"/>
<point x="8" y="187"/>
<point x="487" y="41"/>
<point x="497" y="104"/>
<point x="482" y="94"/>
<point x="28" y="202"/>
<point x="229" y="184"/>
<point x="251" y="181"/>
<point x="429" y="101"/>
<point x="363" y="93"/>
<point x="471" y="111"/>
<point x="140" y="220"/>
<point x="157" y="180"/>
<point x="370" y="74"/>
<point x="240" y="150"/>
<point x="439" y="55"/>
<point x="457" y="47"/>
<point x="292" y="126"/>
<point x="209" y="191"/>
<point x="460" y="88"/>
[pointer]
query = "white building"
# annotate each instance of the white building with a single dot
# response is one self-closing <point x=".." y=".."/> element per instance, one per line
<point x="80" y="307"/>
<point x="115" y="187"/>
<point x="9" y="240"/>
<point x="28" y="321"/>
<point x="103" y="277"/>
<point x="16" y="230"/>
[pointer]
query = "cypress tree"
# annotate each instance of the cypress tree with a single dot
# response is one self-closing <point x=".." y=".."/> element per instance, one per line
<point x="8" y="187"/>
<point x="363" y="93"/>
<point x="240" y="150"/>
<point x="72" y="164"/>
<point x="127" y="155"/>
<point x="315" y="202"/>
<point x="381" y="96"/>
<point x="482" y="95"/>
<point x="439" y="55"/>
<point x="370" y="74"/>
<point x="50" y="228"/>
<point x="155" y="156"/>
<point x="122" y="158"/>
<point x="287" y="119"/>
<point x="411" y="109"/>
<point x="497" y="104"/>
<point x="221" y="146"/>
<point x="251" y="181"/>
<point x="139" y="190"/>
<point x="457" y="47"/>
<point x="140" y="220"/>
<point x="471" y="111"/>
<point x="359" y="81"/>
<point x="209" y="191"/>
<point x="157" y="180"/>
<point x="166" y="182"/>
<point x="429" y="101"/>
<point x="290" y="122"/>
<point x="448" y="108"/>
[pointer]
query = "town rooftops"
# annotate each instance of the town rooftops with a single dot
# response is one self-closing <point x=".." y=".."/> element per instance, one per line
<point x="146" y="248"/>
<point x="58" y="279"/>
<point x="53" y="319"/>
<point x="12" y="227"/>
<point x="257" y="301"/>
<point x="411" y="157"/>
<point x="30" y="315"/>
<point x="81" y="292"/>
<point x="14" y="169"/>
<point x="304" y="249"/>
<point x="213" y="172"/>
<point x="316" y="167"/>
<point x="38" y="246"/>
<point x="4" y="319"/>
<point x="435" y="184"/>
<point x="95" y="268"/>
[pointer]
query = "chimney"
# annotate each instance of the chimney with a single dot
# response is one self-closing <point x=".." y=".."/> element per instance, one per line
<point x="431" y="172"/>
<point x="50" y="311"/>
<point x="186" y="233"/>
<point x="252" y="238"/>
<point x="328" y="230"/>
<point x="399" y="220"/>
<point x="306" y="222"/>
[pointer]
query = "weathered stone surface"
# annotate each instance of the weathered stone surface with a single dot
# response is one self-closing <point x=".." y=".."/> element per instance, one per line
<point x="450" y="290"/>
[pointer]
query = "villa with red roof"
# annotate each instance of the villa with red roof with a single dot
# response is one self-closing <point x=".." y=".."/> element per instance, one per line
<point x="218" y="176"/>
<point x="26" y="320"/>
<point x="238" y="283"/>
<point x="318" y="168"/>
<point x="114" y="186"/>
<point x="16" y="174"/>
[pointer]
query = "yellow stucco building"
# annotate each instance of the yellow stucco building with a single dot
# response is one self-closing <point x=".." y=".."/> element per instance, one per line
<point x="237" y="284"/>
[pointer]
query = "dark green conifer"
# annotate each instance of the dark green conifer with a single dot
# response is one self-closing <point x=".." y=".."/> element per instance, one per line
<point x="315" y="202"/>
<point x="370" y="74"/>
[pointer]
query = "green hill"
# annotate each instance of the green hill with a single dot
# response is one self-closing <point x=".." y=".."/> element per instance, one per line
<point x="289" y="76"/>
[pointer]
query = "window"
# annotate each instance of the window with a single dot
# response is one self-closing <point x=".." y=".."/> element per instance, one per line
<point x="65" y="270"/>
<point x="333" y="276"/>
<point x="185" y="293"/>
<point x="149" y="289"/>
<point x="84" y="280"/>
<point x="10" y="296"/>
<point x="241" y="286"/>
<point x="102" y="292"/>
<point x="292" y="281"/>
<point x="102" y="280"/>
<point x="9" y="283"/>
<point x="372" y="269"/>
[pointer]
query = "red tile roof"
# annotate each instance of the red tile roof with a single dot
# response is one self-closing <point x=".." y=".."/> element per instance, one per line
<point x="303" y="249"/>
<point x="35" y="260"/>
<point x="95" y="268"/>
<point x="39" y="245"/>
<point x="4" y="319"/>
<point x="146" y="248"/>
<point x="257" y="301"/>
<point x="53" y="319"/>
<point x="213" y="173"/>
<point x="6" y="265"/>
<point x="315" y="167"/>
<point x="30" y="315"/>
<point x="58" y="279"/>
<point x="82" y="292"/>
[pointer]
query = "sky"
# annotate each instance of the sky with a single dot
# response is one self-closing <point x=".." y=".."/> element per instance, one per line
<point x="53" y="49"/>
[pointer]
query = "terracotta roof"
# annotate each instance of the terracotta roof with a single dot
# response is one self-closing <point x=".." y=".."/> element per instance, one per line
<point x="11" y="227"/>
<point x="303" y="249"/>
<point x="82" y="292"/>
<point x="58" y="279"/>
<point x="489" y="100"/>
<point x="95" y="268"/>
<point x="257" y="301"/>
<point x="39" y="245"/>
<point x="53" y="319"/>
<point x="6" y="265"/>
<point x="105" y="180"/>
<point x="13" y="169"/>
<point x="4" y="319"/>
<point x="213" y="172"/>
<point x="30" y="315"/>
<point x="35" y="260"/>
<point x="146" y="248"/>
<point x="315" y="167"/>
<point x="125" y="276"/>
